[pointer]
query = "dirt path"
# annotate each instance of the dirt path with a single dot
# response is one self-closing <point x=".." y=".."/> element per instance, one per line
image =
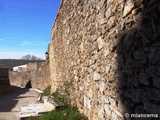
<point x="11" y="102"/>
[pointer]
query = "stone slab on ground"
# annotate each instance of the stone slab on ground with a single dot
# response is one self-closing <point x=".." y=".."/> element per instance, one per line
<point x="10" y="103"/>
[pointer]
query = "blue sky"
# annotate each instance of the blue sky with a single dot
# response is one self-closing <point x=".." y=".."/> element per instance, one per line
<point x="25" y="27"/>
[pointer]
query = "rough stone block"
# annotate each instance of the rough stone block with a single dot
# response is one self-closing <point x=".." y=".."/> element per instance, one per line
<point x="156" y="82"/>
<point x="152" y="108"/>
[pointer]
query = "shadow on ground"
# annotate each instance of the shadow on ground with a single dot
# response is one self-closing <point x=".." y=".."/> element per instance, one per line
<point x="9" y="100"/>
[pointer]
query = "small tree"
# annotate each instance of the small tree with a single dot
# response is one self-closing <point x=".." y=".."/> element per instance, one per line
<point x="30" y="57"/>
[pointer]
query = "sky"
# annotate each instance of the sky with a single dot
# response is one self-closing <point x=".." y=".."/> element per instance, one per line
<point x="25" y="27"/>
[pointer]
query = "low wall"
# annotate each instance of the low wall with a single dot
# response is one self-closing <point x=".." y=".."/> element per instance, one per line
<point x="4" y="80"/>
<point x="3" y="72"/>
<point x="37" y="73"/>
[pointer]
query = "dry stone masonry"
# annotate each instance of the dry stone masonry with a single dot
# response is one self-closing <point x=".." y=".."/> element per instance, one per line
<point x="4" y="80"/>
<point x="36" y="75"/>
<point x="111" y="51"/>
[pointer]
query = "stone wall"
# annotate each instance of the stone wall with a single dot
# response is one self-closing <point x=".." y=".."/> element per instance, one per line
<point x="37" y="73"/>
<point x="3" y="72"/>
<point x="111" y="51"/>
<point x="4" y="80"/>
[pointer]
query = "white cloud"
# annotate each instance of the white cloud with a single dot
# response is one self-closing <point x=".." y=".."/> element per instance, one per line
<point x="18" y="55"/>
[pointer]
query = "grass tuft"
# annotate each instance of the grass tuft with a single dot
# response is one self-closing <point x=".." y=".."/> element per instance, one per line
<point x="46" y="91"/>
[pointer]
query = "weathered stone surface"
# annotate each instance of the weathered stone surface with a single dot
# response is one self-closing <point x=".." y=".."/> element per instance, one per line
<point x="96" y="76"/>
<point x="143" y="78"/>
<point x="4" y="80"/>
<point x="156" y="82"/>
<point x="152" y="108"/>
<point x="107" y="109"/>
<point x="112" y="102"/>
<point x="154" y="95"/>
<point x="111" y="50"/>
<point x="111" y="23"/>
<point x="100" y="43"/>
<point x="155" y="54"/>
<point x="135" y="95"/>
<point x="117" y="113"/>
<point x="89" y="104"/>
<point x="101" y="114"/>
<point x="140" y="110"/>
<point x="38" y="74"/>
<point x="129" y="5"/>
<point x="102" y="87"/>
<point x="139" y="54"/>
<point x="114" y="116"/>
<point x="111" y="78"/>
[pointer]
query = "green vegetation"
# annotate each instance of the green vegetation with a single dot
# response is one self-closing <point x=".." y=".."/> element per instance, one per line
<point x="62" y="94"/>
<point x="31" y="118"/>
<point x="65" y="111"/>
<point x="47" y="91"/>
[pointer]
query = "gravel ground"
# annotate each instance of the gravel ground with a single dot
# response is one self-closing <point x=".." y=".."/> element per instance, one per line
<point x="11" y="102"/>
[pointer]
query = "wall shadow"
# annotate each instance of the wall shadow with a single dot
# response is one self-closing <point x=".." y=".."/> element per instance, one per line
<point x="29" y="84"/>
<point x="9" y="100"/>
<point x="139" y="62"/>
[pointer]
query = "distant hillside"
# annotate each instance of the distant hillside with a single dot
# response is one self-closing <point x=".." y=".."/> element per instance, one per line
<point x="9" y="63"/>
